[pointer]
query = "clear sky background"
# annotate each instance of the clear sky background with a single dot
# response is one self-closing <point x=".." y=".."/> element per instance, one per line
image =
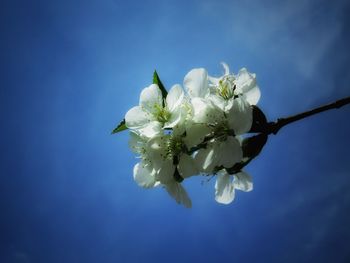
<point x="69" y="70"/>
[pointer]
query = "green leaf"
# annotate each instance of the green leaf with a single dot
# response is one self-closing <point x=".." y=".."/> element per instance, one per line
<point x="156" y="80"/>
<point x="120" y="127"/>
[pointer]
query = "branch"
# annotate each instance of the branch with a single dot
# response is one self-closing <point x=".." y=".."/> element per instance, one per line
<point x="274" y="127"/>
<point x="255" y="143"/>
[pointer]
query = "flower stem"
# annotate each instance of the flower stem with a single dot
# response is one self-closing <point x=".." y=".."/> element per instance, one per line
<point x="202" y="145"/>
<point x="274" y="127"/>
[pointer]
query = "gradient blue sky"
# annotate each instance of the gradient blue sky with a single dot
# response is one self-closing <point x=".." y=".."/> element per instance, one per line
<point x="69" y="70"/>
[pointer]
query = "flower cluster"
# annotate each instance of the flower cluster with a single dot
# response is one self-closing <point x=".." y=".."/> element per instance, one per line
<point x="192" y="131"/>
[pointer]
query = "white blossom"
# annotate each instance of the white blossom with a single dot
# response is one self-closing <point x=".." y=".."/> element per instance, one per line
<point x="226" y="184"/>
<point x="230" y="85"/>
<point x="162" y="158"/>
<point x="169" y="156"/>
<point x="206" y="102"/>
<point x="155" y="113"/>
<point x="193" y="132"/>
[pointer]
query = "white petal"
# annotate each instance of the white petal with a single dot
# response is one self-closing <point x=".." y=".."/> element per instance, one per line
<point x="186" y="166"/>
<point x="219" y="101"/>
<point x="196" y="83"/>
<point x="243" y="181"/>
<point x="240" y="116"/>
<point x="253" y="95"/>
<point x="226" y="68"/>
<point x="136" y="118"/>
<point x="151" y="96"/>
<point x="205" y="160"/>
<point x="195" y="133"/>
<point x="213" y="82"/>
<point x="175" y="97"/>
<point x="245" y="80"/>
<point x="179" y="128"/>
<point x="135" y="142"/>
<point x="204" y="111"/>
<point x="143" y="176"/>
<point x="179" y="193"/>
<point x="165" y="173"/>
<point x="230" y="152"/>
<point x="201" y="108"/>
<point x="151" y="129"/>
<point x="224" y="189"/>
<point x="157" y="150"/>
<point x="177" y="116"/>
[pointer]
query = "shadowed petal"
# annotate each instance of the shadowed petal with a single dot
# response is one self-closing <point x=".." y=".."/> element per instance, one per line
<point x="230" y="152"/>
<point x="143" y="176"/>
<point x="224" y="189"/>
<point x="157" y="150"/>
<point x="136" y="142"/>
<point x="195" y="133"/>
<point x="165" y="173"/>
<point x="186" y="166"/>
<point x="243" y="181"/>
<point x="205" y="159"/>
<point x="179" y="193"/>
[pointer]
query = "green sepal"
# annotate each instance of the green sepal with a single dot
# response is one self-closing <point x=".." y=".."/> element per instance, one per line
<point x="121" y="127"/>
<point x="156" y="80"/>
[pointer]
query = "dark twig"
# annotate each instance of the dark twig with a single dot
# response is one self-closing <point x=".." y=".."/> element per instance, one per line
<point x="274" y="127"/>
<point x="203" y="144"/>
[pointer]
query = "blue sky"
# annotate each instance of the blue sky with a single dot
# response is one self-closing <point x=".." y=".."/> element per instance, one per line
<point x="71" y="69"/>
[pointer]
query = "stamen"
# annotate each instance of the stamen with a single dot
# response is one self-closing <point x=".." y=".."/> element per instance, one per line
<point x="161" y="113"/>
<point x="226" y="88"/>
